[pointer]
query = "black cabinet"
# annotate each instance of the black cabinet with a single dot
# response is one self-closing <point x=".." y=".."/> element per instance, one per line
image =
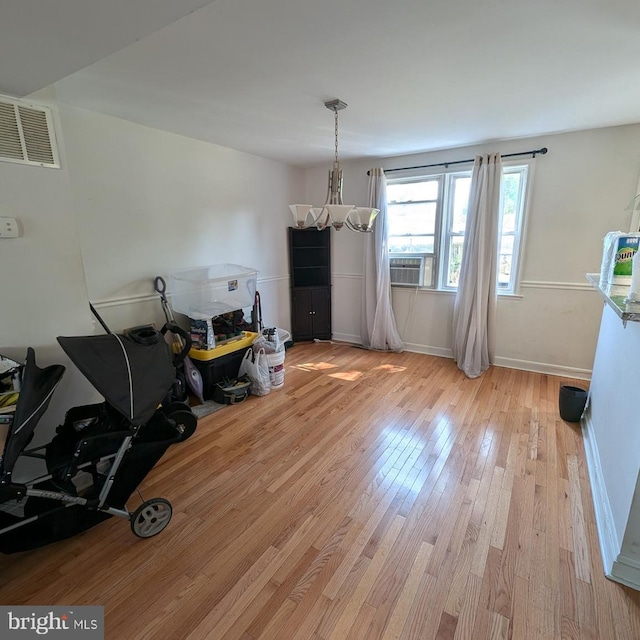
<point x="311" y="313"/>
<point x="310" y="273"/>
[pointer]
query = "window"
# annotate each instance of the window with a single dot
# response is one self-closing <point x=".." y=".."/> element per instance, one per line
<point x="415" y="209"/>
<point x="427" y="219"/>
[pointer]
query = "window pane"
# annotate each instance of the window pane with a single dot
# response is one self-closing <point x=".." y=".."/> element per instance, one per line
<point x="505" y="260"/>
<point x="511" y="200"/>
<point x="411" y="244"/>
<point x="460" y="204"/>
<point x="504" y="270"/>
<point x="407" y="219"/>
<point x="506" y="244"/>
<point x="455" y="260"/>
<point x="412" y="191"/>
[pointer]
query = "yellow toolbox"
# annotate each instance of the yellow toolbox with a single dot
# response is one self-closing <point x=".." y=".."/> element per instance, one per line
<point x="229" y="346"/>
<point x="222" y="363"/>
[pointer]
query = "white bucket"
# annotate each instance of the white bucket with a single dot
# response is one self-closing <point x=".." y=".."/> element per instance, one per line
<point x="276" y="368"/>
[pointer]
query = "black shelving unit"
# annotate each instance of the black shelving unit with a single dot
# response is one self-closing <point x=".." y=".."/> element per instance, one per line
<point x="310" y="276"/>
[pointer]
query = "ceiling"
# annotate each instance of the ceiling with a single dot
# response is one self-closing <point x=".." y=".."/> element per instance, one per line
<point x="252" y="75"/>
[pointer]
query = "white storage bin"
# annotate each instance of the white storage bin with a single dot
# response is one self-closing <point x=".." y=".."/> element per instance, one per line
<point x="211" y="291"/>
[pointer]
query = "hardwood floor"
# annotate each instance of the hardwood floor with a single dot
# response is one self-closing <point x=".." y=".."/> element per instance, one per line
<point x="375" y="496"/>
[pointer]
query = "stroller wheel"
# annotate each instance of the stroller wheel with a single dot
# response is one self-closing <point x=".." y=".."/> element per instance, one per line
<point x="186" y="422"/>
<point x="176" y="405"/>
<point x="151" y="517"/>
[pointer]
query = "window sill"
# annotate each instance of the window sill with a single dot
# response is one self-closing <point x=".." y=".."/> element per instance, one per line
<point x="450" y="292"/>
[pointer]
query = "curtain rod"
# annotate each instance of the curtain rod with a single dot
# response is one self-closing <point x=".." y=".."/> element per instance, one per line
<point x="531" y="153"/>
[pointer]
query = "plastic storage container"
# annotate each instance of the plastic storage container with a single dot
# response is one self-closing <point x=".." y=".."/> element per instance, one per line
<point x="572" y="401"/>
<point x="206" y="292"/>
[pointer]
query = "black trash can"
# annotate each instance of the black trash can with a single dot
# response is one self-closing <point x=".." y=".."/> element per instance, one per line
<point x="572" y="401"/>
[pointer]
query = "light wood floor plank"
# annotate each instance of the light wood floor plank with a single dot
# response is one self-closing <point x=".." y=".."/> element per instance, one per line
<point x="400" y="612"/>
<point x="376" y="496"/>
<point x="469" y="608"/>
<point x="580" y="544"/>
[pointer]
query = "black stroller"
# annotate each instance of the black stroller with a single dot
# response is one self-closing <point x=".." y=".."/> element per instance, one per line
<point x="102" y="452"/>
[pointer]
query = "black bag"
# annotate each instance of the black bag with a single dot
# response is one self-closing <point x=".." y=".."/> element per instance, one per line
<point x="232" y="391"/>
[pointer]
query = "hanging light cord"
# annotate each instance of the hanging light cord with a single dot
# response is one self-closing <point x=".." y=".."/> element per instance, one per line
<point x="335" y="115"/>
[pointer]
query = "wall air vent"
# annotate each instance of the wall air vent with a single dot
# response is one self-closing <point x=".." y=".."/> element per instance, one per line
<point x="407" y="271"/>
<point x="26" y="134"/>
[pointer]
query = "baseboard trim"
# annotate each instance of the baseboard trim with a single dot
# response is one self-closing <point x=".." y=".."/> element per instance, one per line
<point x="413" y="348"/>
<point x="543" y="367"/>
<point x="408" y="346"/>
<point x="441" y="352"/>
<point x="609" y="543"/>
<point x="510" y="363"/>
<point x="626" y="571"/>
<point x="346" y="337"/>
<point x="617" y="565"/>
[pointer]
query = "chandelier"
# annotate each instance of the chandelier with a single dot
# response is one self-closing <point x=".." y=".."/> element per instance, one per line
<point x="334" y="213"/>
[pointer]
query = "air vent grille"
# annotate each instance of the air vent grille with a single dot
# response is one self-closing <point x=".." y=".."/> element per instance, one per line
<point x="26" y="135"/>
<point x="10" y="144"/>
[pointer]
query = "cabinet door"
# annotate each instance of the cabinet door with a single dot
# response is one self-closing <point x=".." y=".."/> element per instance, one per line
<point x="301" y="313"/>
<point x="321" y="313"/>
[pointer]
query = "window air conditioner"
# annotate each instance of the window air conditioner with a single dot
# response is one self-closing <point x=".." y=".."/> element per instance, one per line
<point x="407" y="270"/>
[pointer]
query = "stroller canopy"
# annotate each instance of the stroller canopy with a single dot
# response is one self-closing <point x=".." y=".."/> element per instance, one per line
<point x="36" y="390"/>
<point x="133" y="377"/>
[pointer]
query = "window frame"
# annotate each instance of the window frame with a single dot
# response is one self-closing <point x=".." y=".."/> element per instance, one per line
<point x="440" y="178"/>
<point x="519" y="239"/>
<point x="447" y="235"/>
<point x="444" y="211"/>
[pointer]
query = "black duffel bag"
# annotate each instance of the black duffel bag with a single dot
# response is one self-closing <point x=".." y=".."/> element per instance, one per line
<point x="232" y="391"/>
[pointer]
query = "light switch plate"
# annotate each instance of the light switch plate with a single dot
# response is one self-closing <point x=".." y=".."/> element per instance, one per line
<point x="9" y="228"/>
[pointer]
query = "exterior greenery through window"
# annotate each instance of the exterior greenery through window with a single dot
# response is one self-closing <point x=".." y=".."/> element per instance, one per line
<point x="427" y="218"/>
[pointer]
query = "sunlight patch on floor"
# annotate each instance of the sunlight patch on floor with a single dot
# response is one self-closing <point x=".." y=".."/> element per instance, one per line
<point x="352" y="376"/>
<point x="314" y="366"/>
<point x="389" y="368"/>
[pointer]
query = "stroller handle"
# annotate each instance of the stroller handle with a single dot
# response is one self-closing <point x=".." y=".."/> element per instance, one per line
<point x="178" y="358"/>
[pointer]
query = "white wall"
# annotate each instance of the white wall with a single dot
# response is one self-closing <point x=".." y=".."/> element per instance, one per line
<point x="42" y="286"/>
<point x="580" y="190"/>
<point x="612" y="441"/>
<point x="130" y="203"/>
<point x="149" y="202"/>
<point x="613" y="414"/>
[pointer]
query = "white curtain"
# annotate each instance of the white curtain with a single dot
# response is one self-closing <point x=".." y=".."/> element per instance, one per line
<point x="378" y="328"/>
<point x="475" y="305"/>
